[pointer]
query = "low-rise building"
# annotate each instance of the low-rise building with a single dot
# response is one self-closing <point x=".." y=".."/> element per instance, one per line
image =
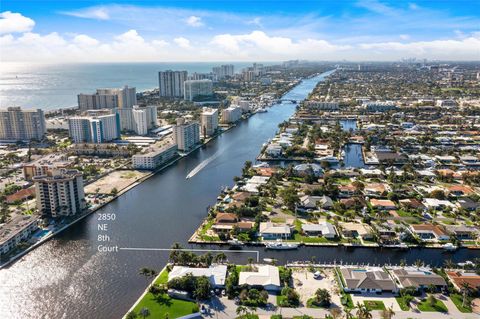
<point x="367" y="280"/>
<point x="216" y="274"/>
<point x="355" y="230"/>
<point x="461" y="278"/>
<point x="266" y="277"/>
<point x="429" y="232"/>
<point x="417" y="278"/>
<point x="154" y="157"/>
<point x="17" y="230"/>
<point x="269" y="231"/>
<point x="324" y="229"/>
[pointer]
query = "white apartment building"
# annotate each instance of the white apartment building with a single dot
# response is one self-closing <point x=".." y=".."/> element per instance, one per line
<point x="186" y="135"/>
<point x="231" y="114"/>
<point x="17" y="230"/>
<point x="108" y="98"/>
<point x="137" y="119"/>
<point x="60" y="194"/>
<point x="208" y="121"/>
<point x="154" y="157"/>
<point x="171" y="83"/>
<point x="223" y="71"/>
<point x="197" y="88"/>
<point x="94" y="129"/>
<point x="18" y="125"/>
<point x="322" y="105"/>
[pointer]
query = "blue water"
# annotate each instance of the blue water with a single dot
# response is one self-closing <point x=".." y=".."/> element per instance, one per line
<point x="52" y="86"/>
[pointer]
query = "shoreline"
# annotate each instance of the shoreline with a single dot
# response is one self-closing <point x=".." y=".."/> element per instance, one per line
<point x="43" y="240"/>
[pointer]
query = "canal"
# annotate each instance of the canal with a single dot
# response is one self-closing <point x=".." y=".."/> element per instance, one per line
<point x="68" y="278"/>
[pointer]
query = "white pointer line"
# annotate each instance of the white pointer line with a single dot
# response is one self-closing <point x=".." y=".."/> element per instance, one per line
<point x="194" y="250"/>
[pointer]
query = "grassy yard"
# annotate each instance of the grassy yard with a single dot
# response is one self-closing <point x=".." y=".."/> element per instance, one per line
<point x="458" y="300"/>
<point x="203" y="232"/>
<point x="439" y="306"/>
<point x="161" y="305"/>
<point x="403" y="305"/>
<point x="374" y="305"/>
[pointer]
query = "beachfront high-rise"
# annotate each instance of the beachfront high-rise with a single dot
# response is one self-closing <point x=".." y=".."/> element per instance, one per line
<point x="186" y="135"/>
<point x="108" y="98"/>
<point x="208" y="121"/>
<point x="94" y="129"/>
<point x="137" y="119"/>
<point x="20" y="125"/>
<point x="60" y="193"/>
<point x="223" y="71"/>
<point x="197" y="88"/>
<point x="171" y="83"/>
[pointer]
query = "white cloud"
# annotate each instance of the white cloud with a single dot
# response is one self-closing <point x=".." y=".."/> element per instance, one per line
<point x="194" y="21"/>
<point x="257" y="21"/>
<point x="464" y="49"/>
<point x="11" y="22"/>
<point x="97" y="13"/>
<point x="404" y="36"/>
<point x="84" y="40"/>
<point x="182" y="42"/>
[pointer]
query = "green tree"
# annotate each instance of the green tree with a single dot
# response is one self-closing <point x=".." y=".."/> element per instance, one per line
<point x="145" y="312"/>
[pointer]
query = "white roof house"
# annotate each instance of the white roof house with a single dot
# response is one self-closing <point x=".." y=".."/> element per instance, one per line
<point x="437" y="203"/>
<point x="252" y="184"/>
<point x="216" y="274"/>
<point x="269" y="230"/>
<point x="267" y="276"/>
<point x="326" y="229"/>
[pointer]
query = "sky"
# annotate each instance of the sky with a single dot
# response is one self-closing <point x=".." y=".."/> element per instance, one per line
<point x="238" y="30"/>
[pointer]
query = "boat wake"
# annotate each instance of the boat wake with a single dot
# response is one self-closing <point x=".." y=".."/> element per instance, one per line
<point x="202" y="165"/>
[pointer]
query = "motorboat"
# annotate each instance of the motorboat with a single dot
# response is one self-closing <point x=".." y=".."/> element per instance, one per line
<point x="449" y="247"/>
<point x="279" y="245"/>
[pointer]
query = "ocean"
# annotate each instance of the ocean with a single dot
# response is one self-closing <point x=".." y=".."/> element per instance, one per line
<point x="54" y="86"/>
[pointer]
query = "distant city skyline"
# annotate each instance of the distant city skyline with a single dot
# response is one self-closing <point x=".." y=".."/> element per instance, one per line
<point x="147" y="31"/>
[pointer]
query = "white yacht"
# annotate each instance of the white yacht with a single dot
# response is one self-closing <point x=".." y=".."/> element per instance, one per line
<point x="279" y="245"/>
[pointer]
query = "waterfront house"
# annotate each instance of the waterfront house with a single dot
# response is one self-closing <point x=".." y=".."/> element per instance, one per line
<point x="324" y="229"/>
<point x="266" y="277"/>
<point x="417" y="278"/>
<point x="354" y="230"/>
<point x="254" y="182"/>
<point x="224" y="222"/>
<point x="382" y="204"/>
<point x="367" y="280"/>
<point x="429" y="232"/>
<point x="216" y="274"/>
<point x="353" y="202"/>
<point x="463" y="232"/>
<point x="306" y="169"/>
<point x="460" y="278"/>
<point x="21" y="195"/>
<point x="274" y="150"/>
<point x="269" y="231"/>
<point x="374" y="172"/>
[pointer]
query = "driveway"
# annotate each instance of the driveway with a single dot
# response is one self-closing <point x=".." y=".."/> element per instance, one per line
<point x="306" y="285"/>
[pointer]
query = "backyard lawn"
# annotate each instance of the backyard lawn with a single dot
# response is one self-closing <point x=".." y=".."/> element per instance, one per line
<point x="458" y="301"/>
<point x="439" y="306"/>
<point x="374" y="305"/>
<point x="403" y="305"/>
<point x="161" y="305"/>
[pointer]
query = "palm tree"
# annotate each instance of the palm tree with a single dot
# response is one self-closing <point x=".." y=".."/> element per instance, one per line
<point x="387" y="313"/>
<point x="220" y="257"/>
<point x="174" y="253"/>
<point x="363" y="312"/>
<point x="144" y="313"/>
<point x="147" y="272"/>
<point x="241" y="310"/>
<point x="449" y="264"/>
<point x="418" y="263"/>
<point x="348" y="313"/>
<point x="466" y="290"/>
